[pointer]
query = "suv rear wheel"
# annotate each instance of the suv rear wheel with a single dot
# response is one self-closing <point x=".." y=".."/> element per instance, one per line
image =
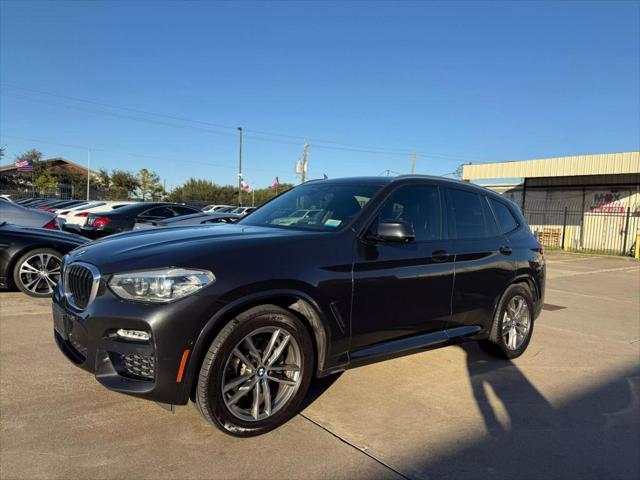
<point x="256" y="372"/>
<point x="512" y="324"/>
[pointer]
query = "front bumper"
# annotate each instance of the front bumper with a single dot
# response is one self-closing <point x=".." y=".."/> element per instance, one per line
<point x="147" y="369"/>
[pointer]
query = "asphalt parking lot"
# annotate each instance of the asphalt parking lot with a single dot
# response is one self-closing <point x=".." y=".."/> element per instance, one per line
<point x="569" y="408"/>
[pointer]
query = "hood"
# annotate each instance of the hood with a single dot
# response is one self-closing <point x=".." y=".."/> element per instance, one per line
<point x="187" y="246"/>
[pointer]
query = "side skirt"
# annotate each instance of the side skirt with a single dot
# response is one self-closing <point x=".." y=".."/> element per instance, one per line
<point x="409" y="345"/>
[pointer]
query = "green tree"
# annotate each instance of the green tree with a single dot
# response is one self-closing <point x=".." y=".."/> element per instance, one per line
<point x="149" y="184"/>
<point x="46" y="182"/>
<point x="195" y="190"/>
<point x="34" y="155"/>
<point x="103" y="179"/>
<point x="122" y="185"/>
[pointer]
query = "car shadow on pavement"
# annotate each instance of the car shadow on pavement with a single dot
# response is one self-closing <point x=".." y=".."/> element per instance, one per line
<point x="317" y="388"/>
<point x="510" y="386"/>
<point x="595" y="434"/>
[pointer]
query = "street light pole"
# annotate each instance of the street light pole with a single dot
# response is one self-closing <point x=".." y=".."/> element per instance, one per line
<point x="88" y="170"/>
<point x="240" y="171"/>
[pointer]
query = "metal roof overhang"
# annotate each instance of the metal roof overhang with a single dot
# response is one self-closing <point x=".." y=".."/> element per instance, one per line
<point x="600" y="164"/>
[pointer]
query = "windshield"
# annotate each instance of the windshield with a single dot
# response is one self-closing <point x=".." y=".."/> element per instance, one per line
<point x="315" y="206"/>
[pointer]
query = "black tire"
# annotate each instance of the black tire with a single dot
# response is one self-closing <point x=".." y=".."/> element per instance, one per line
<point x="17" y="278"/>
<point x="496" y="345"/>
<point x="209" y="396"/>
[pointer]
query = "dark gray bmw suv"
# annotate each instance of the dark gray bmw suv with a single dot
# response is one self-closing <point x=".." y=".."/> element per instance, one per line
<point x="240" y="318"/>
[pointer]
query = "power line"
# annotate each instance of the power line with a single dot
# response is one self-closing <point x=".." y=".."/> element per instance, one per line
<point x="137" y="155"/>
<point x="257" y="133"/>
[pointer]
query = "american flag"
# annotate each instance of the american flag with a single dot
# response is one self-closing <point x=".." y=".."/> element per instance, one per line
<point x="24" y="165"/>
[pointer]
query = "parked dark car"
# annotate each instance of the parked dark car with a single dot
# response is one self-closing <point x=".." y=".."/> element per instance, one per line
<point x="30" y="258"/>
<point x="27" y="202"/>
<point x="123" y="219"/>
<point x="199" y="218"/>
<point x="58" y="207"/>
<point x="239" y="318"/>
<point x="46" y="204"/>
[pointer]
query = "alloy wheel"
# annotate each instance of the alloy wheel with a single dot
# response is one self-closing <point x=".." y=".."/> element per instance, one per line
<point x="40" y="273"/>
<point x="263" y="372"/>
<point x="516" y="322"/>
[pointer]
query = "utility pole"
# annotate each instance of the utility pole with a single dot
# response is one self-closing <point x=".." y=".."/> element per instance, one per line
<point x="240" y="171"/>
<point x="302" y="164"/>
<point x="304" y="161"/>
<point x="413" y="163"/>
<point x="88" y="171"/>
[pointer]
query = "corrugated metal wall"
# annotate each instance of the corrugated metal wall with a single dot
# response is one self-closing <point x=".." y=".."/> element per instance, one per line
<point x="600" y="164"/>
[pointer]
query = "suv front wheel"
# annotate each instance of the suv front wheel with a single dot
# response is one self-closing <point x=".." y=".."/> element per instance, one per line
<point x="256" y="372"/>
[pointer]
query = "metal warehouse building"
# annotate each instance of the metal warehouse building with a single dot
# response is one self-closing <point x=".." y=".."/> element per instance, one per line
<point x="585" y="202"/>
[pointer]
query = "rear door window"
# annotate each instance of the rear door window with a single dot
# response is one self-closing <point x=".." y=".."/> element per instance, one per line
<point x="469" y="215"/>
<point x="506" y="220"/>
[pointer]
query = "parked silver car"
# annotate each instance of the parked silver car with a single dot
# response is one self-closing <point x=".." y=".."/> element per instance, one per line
<point x="26" y="217"/>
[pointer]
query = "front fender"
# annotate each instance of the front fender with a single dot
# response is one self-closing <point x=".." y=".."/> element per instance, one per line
<point x="299" y="300"/>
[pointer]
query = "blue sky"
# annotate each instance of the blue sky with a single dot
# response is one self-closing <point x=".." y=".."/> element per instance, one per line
<point x="366" y="83"/>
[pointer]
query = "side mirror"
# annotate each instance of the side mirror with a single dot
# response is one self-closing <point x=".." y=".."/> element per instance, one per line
<point x="397" y="231"/>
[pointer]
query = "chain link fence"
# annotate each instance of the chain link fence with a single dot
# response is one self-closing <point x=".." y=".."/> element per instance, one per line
<point x="62" y="191"/>
<point x="610" y="229"/>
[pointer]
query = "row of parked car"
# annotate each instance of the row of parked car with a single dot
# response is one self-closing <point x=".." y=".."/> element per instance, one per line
<point x="35" y="233"/>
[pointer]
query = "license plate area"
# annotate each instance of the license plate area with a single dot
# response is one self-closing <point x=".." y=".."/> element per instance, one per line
<point x="66" y="324"/>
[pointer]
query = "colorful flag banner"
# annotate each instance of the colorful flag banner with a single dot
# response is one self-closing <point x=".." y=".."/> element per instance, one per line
<point x="24" y="165"/>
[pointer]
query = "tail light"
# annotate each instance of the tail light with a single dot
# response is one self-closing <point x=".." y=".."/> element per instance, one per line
<point x="52" y="225"/>
<point x="101" y="222"/>
<point x="41" y="208"/>
<point x="81" y="214"/>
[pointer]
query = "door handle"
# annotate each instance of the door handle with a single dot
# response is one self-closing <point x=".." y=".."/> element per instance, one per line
<point x="505" y="250"/>
<point x="440" y="256"/>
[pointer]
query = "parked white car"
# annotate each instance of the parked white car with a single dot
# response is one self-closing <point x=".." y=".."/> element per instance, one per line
<point x="74" y="218"/>
<point x="242" y="210"/>
<point x="216" y="208"/>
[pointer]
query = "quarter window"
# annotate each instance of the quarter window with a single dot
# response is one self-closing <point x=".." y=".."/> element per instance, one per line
<point x="505" y="218"/>
<point x="468" y="215"/>
<point x="162" y="212"/>
<point x="418" y="205"/>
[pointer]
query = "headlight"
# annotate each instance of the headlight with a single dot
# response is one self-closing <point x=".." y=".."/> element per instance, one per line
<point x="63" y="266"/>
<point x="160" y="286"/>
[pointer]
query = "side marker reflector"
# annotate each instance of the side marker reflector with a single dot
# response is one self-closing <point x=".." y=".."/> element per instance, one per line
<point x="183" y="363"/>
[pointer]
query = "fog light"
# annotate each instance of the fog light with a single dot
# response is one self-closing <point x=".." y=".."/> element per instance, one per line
<point x="133" y="334"/>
